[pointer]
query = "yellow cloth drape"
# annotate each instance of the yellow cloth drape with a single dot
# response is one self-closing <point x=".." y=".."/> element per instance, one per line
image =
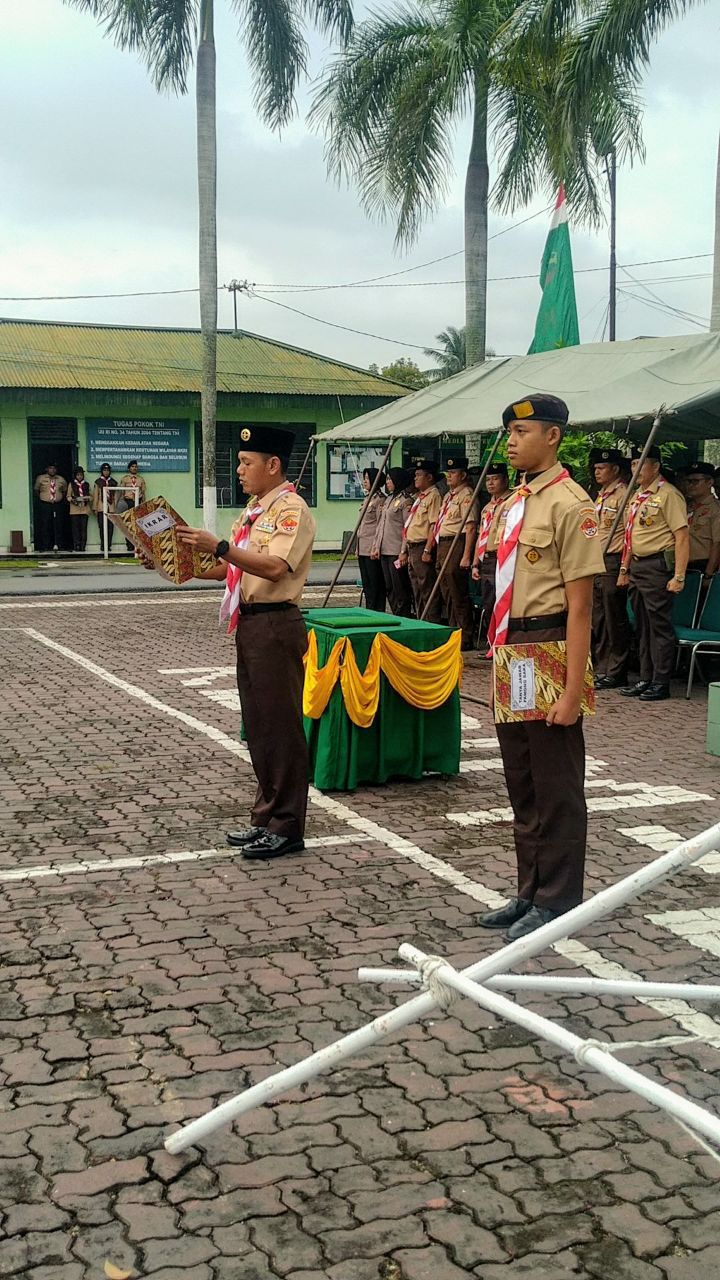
<point x="424" y="680"/>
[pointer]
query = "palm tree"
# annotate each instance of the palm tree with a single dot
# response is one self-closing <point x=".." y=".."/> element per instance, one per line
<point x="554" y="80"/>
<point x="450" y="356"/>
<point x="168" y="34"/>
<point x="715" y="306"/>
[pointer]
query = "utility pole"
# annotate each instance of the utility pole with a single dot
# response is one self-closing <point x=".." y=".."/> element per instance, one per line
<point x="235" y="287"/>
<point x="612" y="303"/>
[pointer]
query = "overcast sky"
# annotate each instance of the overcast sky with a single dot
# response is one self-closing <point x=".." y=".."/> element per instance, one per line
<point x="98" y="182"/>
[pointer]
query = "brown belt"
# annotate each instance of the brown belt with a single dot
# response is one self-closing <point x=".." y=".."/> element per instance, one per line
<point x="265" y="608"/>
<point x="548" y="623"/>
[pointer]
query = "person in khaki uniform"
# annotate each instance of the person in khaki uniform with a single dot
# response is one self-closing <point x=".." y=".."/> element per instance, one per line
<point x="50" y="490"/>
<point x="558" y="553"/>
<point x="418" y="547"/>
<point x="611" y="626"/>
<point x="79" y="504"/>
<point x="265" y="565"/>
<point x="483" y="571"/>
<point x="454" y="584"/>
<point x="388" y="540"/>
<point x="654" y="559"/>
<point x="371" y="572"/>
<point x="703" y="520"/>
<point x="133" y="493"/>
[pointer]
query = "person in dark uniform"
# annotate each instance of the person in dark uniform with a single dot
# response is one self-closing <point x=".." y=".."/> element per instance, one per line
<point x="485" y="562"/>
<point x="388" y="540"/>
<point x="371" y="573"/>
<point x="611" y="626"/>
<point x="265" y="565"/>
<point x="546" y="536"/>
<point x="655" y="554"/>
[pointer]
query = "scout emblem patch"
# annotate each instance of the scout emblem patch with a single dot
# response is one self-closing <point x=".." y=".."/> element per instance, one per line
<point x="523" y="410"/>
<point x="245" y="433"/>
<point x="288" y="523"/>
<point x="532" y="555"/>
<point x="589" y="527"/>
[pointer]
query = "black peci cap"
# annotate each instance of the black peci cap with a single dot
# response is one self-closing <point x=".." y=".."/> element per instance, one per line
<point x="654" y="453"/>
<point x="700" y="469"/>
<point x="456" y="464"/>
<point x="426" y="464"/>
<point x="539" y="408"/>
<point x="497" y="469"/>
<point x="614" y="456"/>
<point x="261" y="439"/>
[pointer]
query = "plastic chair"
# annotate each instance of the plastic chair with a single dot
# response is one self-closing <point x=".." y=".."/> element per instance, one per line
<point x="686" y="603"/>
<point x="705" y="638"/>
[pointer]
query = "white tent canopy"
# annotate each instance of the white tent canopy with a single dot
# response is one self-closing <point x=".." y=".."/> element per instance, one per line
<point x="616" y="386"/>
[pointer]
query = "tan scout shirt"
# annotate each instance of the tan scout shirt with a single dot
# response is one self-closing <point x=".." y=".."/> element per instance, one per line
<point x="285" y="529"/>
<point x="704" y="522"/>
<point x="131" y="486"/>
<point x="460" y="502"/>
<point x="609" y="501"/>
<point x="558" y="543"/>
<point x="44" y="490"/>
<point x="368" y="527"/>
<point x="659" y="517"/>
<point x="388" y="538"/>
<point x="425" y="516"/>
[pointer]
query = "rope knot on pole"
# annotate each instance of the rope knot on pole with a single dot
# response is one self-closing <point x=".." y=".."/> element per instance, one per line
<point x="442" y="993"/>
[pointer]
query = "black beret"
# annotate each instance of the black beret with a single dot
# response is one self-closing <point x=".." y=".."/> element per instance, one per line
<point x="262" y="439"/>
<point x="498" y="469"/>
<point x="654" y="453"/>
<point x="613" y="456"/>
<point x="540" y="408"/>
<point x="457" y="464"/>
<point x="700" y="469"/>
<point x="427" y="464"/>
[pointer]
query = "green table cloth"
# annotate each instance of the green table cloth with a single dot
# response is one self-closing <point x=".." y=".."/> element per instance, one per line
<point x="402" y="741"/>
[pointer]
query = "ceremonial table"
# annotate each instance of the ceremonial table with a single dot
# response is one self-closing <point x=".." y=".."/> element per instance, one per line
<point x="401" y="740"/>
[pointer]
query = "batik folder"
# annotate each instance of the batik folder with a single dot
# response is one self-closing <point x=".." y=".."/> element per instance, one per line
<point x="529" y="679"/>
<point x="153" y="529"/>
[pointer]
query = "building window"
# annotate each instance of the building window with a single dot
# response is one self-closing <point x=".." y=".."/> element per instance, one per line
<point x="229" y="490"/>
<point x="345" y="466"/>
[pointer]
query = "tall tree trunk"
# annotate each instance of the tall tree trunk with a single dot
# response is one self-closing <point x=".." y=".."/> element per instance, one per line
<point x="207" y="221"/>
<point x="715" y="308"/>
<point x="476" y="228"/>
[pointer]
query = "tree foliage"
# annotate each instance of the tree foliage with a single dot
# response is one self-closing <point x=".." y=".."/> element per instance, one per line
<point x="402" y="370"/>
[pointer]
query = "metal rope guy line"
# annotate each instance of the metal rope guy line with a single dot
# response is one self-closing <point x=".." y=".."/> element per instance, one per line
<point x="413" y="1010"/>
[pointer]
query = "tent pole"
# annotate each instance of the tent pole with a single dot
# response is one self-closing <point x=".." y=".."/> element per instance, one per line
<point x="636" y="478"/>
<point x="459" y="534"/>
<point x="310" y="450"/>
<point x="373" y="489"/>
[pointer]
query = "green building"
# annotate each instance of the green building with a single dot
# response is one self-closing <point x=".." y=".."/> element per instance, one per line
<point x="80" y="394"/>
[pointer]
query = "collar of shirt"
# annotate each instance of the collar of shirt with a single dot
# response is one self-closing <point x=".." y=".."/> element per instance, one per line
<point x="538" y="479"/>
<point x="268" y="499"/>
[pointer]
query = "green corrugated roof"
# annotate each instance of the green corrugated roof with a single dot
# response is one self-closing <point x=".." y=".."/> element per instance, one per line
<point x="115" y="358"/>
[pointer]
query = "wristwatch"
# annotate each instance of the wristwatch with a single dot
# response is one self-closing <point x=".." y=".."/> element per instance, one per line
<point x="679" y="578"/>
<point x="222" y="549"/>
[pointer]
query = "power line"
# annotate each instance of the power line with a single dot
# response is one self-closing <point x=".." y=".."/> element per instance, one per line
<point x="428" y="284"/>
<point x="363" y="333"/>
<point x="665" y="310"/>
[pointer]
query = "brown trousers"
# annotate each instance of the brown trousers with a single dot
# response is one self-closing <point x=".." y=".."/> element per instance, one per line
<point x="653" y="606"/>
<point x="455" y="588"/>
<point x="610" y="623"/>
<point x="545" y="775"/>
<point x="488" y="568"/>
<point x="270" y="674"/>
<point x="422" y="580"/>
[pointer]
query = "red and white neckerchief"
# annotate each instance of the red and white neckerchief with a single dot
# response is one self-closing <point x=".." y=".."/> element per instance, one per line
<point x="53" y="488"/>
<point x="635" y="506"/>
<point x="486" y="520"/>
<point x="442" y="514"/>
<point x="603" y="497"/>
<point x="230" y="603"/>
<point x="416" y="504"/>
<point x="507" y="559"/>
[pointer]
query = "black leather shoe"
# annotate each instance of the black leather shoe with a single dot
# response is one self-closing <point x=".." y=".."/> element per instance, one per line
<point x="532" y="920"/>
<point x="634" y="690"/>
<point x="656" y="693"/>
<point x="599" y="681"/>
<point x="239" y="838"/>
<point x="611" y="682"/>
<point x="515" y="909"/>
<point x="269" y="845"/>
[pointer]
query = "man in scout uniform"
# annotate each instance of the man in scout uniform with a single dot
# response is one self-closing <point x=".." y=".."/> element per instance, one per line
<point x="418" y="546"/>
<point x="485" y="563"/>
<point x="611" y="627"/>
<point x="655" y="553"/>
<point x="546" y="537"/>
<point x="50" y="490"/>
<point x="454" y="584"/>
<point x="703" y="519"/>
<point x="265" y="566"/>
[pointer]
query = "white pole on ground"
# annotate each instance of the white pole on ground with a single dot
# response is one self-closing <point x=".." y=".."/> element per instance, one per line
<point x="542" y="984"/>
<point x="587" y="1052"/>
<point x="413" y="1010"/>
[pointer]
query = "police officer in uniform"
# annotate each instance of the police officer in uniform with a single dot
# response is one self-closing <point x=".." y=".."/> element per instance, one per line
<point x="266" y="564"/>
<point x="498" y="486"/>
<point x="703" y="519"/>
<point x="418" y="546"/>
<point x="611" y="626"/>
<point x="454" y="584"/>
<point x="558" y="554"/>
<point x="654" y="559"/>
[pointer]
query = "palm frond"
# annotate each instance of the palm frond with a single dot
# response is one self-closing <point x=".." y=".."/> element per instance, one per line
<point x="163" y="32"/>
<point x="278" y="54"/>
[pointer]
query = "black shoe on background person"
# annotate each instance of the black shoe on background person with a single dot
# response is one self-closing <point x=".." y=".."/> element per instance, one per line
<point x="239" y="838"/>
<point x="611" y="682"/>
<point x="599" y="680"/>
<point x="270" y="845"/>
<point x="656" y="693"/>
<point x="515" y="909"/>
<point x="534" y="919"/>
<point x="634" y="690"/>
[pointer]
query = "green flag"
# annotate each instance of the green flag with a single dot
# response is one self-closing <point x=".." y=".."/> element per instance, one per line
<point x="557" y="321"/>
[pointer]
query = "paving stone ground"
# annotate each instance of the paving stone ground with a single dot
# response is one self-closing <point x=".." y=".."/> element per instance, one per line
<point x="135" y="997"/>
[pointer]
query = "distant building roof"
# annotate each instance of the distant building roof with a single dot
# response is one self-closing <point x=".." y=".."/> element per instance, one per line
<point x="99" y="357"/>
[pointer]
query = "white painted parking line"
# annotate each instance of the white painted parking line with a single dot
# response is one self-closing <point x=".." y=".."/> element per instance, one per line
<point x="477" y="744"/>
<point x="700" y="928"/>
<point x="470" y="722"/>
<point x="660" y="839"/>
<point x="480" y="766"/>
<point x="229" y="698"/>
<point x="644" y="797"/>
<point x="118" y="601"/>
